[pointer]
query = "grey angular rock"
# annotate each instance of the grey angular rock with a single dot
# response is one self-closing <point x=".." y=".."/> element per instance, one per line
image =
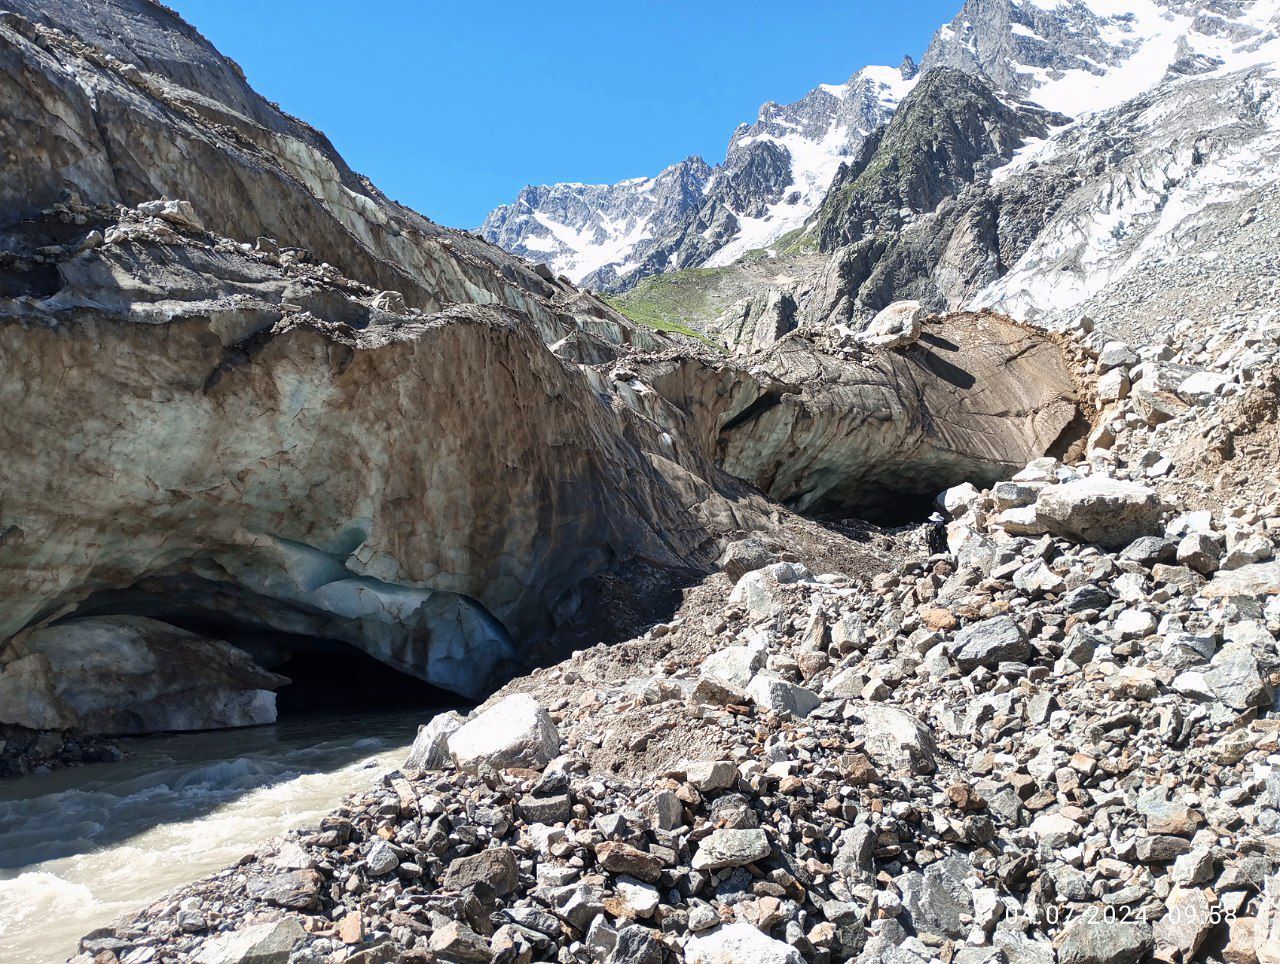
<point x="1201" y="551"/>
<point x="459" y="944"/>
<point x="1092" y="938"/>
<point x="1109" y="512"/>
<point x="495" y="866"/>
<point x="380" y="858"/>
<point x="735" y="665"/>
<point x="896" y="326"/>
<point x="989" y="643"/>
<point x="730" y="848"/>
<point x="895" y="739"/>
<point x="1236" y="678"/>
<point x="430" y="750"/>
<point x="853" y="852"/>
<point x="636" y="945"/>
<point x="259" y="944"/>
<point x="745" y="555"/>
<point x="937" y="899"/>
<point x="771" y="693"/>
<point x="736" y="943"/>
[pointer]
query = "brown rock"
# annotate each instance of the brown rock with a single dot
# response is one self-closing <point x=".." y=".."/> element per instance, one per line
<point x="621" y="858"/>
<point x="351" y="928"/>
<point x="939" y="620"/>
<point x="495" y="866"/>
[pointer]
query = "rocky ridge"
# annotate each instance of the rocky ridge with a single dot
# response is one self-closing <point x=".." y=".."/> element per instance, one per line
<point x="1048" y="741"/>
<point x="1071" y="57"/>
<point x="775" y="173"/>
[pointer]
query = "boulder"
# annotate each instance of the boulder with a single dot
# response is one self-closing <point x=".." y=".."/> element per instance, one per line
<point x="430" y="750"/>
<point x="1266" y="928"/>
<point x="514" y="732"/>
<point x="1236" y="678"/>
<point x="1113" y="386"/>
<point x="771" y="693"/>
<point x="637" y="944"/>
<point x="744" y="556"/>
<point x="938" y="899"/>
<point x="739" y="943"/>
<point x="1201" y="552"/>
<point x="495" y="866"/>
<point x="759" y="590"/>
<point x="895" y="739"/>
<point x="896" y="326"/>
<point x="989" y="643"/>
<point x="1258" y="579"/>
<point x="1202" y="386"/>
<point x="622" y="858"/>
<point x="457" y="943"/>
<point x="260" y="944"/>
<point x="731" y="848"/>
<point x="1093" y="938"/>
<point x="380" y="858"/>
<point x="854" y="852"/>
<point x="734" y="666"/>
<point x="1246" y="552"/>
<point x="958" y="499"/>
<point x="1116" y="354"/>
<point x="292" y="889"/>
<point x="1108" y="512"/>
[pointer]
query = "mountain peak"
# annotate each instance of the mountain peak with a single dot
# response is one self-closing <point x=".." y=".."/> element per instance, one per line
<point x="773" y="177"/>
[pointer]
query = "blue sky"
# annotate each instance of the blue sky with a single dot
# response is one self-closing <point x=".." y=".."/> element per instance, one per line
<point x="452" y="107"/>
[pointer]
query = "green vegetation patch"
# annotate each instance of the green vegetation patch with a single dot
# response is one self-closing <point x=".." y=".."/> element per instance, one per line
<point x="683" y="301"/>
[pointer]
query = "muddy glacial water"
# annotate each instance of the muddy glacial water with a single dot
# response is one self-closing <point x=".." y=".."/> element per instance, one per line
<point x="83" y="846"/>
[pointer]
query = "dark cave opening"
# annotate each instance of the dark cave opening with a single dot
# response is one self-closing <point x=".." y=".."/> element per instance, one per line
<point x="329" y="675"/>
<point x="325" y="673"/>
<point x="879" y="507"/>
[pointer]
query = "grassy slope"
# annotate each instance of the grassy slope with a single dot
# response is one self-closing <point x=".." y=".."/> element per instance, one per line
<point x="689" y="301"/>
<point x="681" y="301"/>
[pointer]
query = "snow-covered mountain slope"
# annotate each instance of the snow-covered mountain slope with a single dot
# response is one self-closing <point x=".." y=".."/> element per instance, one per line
<point x="1078" y="58"/>
<point x="1162" y="187"/>
<point x="1081" y="56"/>
<point x="579" y="228"/>
<point x="775" y="173"/>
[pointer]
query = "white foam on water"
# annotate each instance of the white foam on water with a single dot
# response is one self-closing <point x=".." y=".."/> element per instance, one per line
<point x="82" y="847"/>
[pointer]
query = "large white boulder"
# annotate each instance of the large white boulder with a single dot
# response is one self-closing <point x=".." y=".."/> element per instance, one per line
<point x="735" y="665"/>
<point x="1109" y="512"/>
<point x="894" y="327"/>
<point x="739" y="943"/>
<point x="515" y="732"/>
<point x="759" y="591"/>
<point x="770" y="692"/>
<point x="261" y="944"/>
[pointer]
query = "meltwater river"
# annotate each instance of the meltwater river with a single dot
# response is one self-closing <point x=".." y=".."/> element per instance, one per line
<point x="80" y="847"/>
